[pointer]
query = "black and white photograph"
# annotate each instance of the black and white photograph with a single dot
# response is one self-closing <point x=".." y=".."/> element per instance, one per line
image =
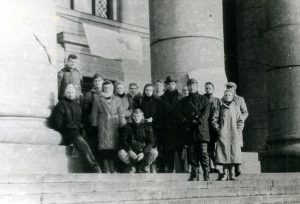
<point x="150" y="101"/>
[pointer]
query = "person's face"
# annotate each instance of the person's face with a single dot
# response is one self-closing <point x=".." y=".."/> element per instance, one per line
<point x="133" y="90"/>
<point x="159" y="87"/>
<point x="108" y="88"/>
<point x="137" y="117"/>
<point x="72" y="63"/>
<point x="98" y="83"/>
<point x="149" y="91"/>
<point x="185" y="91"/>
<point x="120" y="89"/>
<point x="193" y="88"/>
<point x="231" y="88"/>
<point x="70" y="93"/>
<point x="209" y="89"/>
<point x="228" y="96"/>
<point x="171" y="86"/>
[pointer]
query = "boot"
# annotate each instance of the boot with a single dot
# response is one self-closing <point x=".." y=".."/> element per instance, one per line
<point x="237" y="169"/>
<point x="112" y="166"/>
<point x="194" y="175"/>
<point x="223" y="176"/>
<point x="232" y="173"/>
<point x="206" y="176"/>
<point x="96" y="169"/>
<point x="105" y="166"/>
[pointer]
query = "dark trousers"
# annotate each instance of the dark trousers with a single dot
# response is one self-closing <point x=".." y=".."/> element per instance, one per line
<point x="75" y="138"/>
<point x="212" y="154"/>
<point x="198" y="152"/>
<point x="170" y="157"/>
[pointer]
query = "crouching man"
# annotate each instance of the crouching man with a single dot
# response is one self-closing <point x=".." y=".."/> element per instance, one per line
<point x="136" y="143"/>
<point x="67" y="119"/>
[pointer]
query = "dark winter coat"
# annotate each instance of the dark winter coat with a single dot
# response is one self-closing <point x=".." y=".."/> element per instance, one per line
<point x="171" y="120"/>
<point x="196" y="107"/>
<point x="67" y="116"/>
<point x="136" y="137"/>
<point x="88" y="101"/>
<point x="215" y="104"/>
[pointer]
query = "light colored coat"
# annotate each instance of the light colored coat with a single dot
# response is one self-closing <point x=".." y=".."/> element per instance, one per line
<point x="229" y="123"/>
<point x="108" y="116"/>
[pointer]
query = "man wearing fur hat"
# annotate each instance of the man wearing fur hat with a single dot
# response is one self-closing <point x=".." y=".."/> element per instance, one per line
<point x="195" y="110"/>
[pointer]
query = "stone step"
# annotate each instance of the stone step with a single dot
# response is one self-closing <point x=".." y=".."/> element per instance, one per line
<point x="122" y="196"/>
<point x="40" y="159"/>
<point x="73" y="178"/>
<point x="115" y="186"/>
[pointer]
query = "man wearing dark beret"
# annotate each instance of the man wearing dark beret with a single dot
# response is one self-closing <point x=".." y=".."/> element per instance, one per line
<point x="195" y="110"/>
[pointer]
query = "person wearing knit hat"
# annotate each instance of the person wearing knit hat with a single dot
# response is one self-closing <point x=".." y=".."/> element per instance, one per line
<point x="195" y="110"/>
<point x="88" y="101"/>
<point x="108" y="114"/>
<point x="191" y="81"/>
<point x="241" y="105"/>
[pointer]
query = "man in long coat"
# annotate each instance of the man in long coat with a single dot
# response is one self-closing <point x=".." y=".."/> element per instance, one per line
<point x="108" y="115"/>
<point x="171" y="120"/>
<point x="241" y="105"/>
<point x="214" y="105"/>
<point x="196" y="110"/>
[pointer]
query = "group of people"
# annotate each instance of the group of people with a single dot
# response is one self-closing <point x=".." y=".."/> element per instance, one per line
<point x="133" y="132"/>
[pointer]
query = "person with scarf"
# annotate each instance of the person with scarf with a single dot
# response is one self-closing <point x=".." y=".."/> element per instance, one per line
<point x="229" y="123"/>
<point x="172" y="140"/>
<point x="88" y="101"/>
<point x="241" y="105"/>
<point x="195" y="110"/>
<point x="214" y="105"/>
<point x="66" y="118"/>
<point x="108" y="115"/>
<point x="120" y="92"/>
<point x="137" y="144"/>
<point x="70" y="75"/>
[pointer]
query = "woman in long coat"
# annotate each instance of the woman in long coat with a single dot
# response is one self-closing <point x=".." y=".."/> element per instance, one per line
<point x="228" y="121"/>
<point x="108" y="115"/>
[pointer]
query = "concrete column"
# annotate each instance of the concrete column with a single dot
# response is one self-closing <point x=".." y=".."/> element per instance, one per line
<point x="187" y="40"/>
<point x="134" y="12"/>
<point x="28" y="75"/>
<point x="252" y="83"/>
<point x="283" y="79"/>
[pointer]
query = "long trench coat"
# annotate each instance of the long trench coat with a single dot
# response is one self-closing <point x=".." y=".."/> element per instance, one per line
<point x="229" y="122"/>
<point x="108" y="116"/>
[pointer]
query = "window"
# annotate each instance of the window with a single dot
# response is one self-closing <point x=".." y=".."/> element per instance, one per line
<point x="94" y="7"/>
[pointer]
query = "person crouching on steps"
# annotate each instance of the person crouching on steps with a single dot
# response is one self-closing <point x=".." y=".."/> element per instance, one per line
<point x="67" y="119"/>
<point x="137" y="144"/>
<point x="228" y="121"/>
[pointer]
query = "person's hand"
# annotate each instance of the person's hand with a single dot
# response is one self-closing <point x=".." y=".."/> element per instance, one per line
<point x="140" y="156"/>
<point x="194" y="121"/>
<point x="149" y="120"/>
<point x="132" y="155"/>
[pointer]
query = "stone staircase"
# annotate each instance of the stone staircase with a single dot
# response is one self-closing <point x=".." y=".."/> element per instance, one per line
<point x="146" y="189"/>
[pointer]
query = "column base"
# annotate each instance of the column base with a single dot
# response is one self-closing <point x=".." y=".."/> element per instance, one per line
<point x="281" y="158"/>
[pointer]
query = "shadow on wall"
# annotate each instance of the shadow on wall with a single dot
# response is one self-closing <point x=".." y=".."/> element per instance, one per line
<point x="230" y="41"/>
